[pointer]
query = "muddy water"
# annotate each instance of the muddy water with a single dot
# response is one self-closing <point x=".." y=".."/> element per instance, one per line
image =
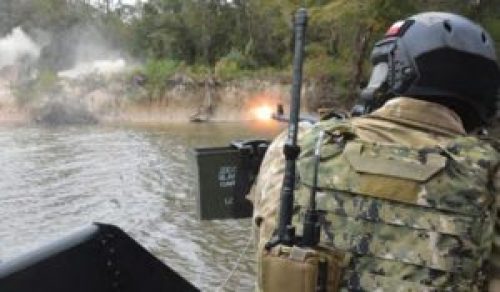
<point x="56" y="180"/>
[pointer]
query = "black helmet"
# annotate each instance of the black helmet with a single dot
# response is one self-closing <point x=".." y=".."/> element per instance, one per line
<point x="440" y="57"/>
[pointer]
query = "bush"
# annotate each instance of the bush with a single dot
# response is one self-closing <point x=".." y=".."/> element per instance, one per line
<point x="29" y="91"/>
<point x="226" y="69"/>
<point x="46" y="80"/>
<point x="198" y="72"/>
<point x="234" y="65"/>
<point x="157" y="72"/>
<point x="321" y="66"/>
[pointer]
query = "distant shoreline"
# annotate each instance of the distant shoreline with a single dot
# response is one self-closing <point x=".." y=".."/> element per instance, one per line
<point x="117" y="100"/>
<point x="138" y="115"/>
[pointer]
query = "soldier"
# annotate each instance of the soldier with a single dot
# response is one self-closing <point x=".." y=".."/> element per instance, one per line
<point x="407" y="192"/>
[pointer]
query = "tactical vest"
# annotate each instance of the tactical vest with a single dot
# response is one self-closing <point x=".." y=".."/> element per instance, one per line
<point x="408" y="219"/>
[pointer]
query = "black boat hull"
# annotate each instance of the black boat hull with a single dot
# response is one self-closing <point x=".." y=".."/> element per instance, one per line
<point x="99" y="258"/>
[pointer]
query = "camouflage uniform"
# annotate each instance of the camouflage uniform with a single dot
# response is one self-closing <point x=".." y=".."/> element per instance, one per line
<point x="418" y="229"/>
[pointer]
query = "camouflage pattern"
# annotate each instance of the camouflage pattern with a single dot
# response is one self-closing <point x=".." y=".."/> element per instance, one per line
<point x="265" y="193"/>
<point x="428" y="226"/>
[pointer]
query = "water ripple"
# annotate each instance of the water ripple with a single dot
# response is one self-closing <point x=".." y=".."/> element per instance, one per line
<point x="55" y="180"/>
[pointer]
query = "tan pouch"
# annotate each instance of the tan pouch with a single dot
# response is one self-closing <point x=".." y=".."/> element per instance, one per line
<point x="296" y="269"/>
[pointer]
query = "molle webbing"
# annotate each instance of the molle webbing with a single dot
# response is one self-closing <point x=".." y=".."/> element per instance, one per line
<point x="415" y="217"/>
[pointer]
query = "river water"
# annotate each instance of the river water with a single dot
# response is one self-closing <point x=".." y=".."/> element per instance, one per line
<point x="54" y="181"/>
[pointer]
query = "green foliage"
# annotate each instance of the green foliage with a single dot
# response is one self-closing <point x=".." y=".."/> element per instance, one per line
<point x="157" y="72"/>
<point x="318" y="63"/>
<point x="198" y="72"/>
<point x="206" y="31"/>
<point x="227" y="69"/>
<point x="27" y="92"/>
<point x="46" y="80"/>
<point x="234" y="65"/>
<point x="232" y="39"/>
<point x="190" y="30"/>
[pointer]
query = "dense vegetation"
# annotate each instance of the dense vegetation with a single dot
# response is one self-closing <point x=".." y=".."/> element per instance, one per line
<point x="230" y="39"/>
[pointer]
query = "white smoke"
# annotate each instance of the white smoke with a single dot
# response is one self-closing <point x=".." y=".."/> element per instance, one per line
<point x="100" y="67"/>
<point x="93" y="54"/>
<point x="17" y="47"/>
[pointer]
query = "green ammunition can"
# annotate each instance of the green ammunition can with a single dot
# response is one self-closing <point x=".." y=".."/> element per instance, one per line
<point x="225" y="176"/>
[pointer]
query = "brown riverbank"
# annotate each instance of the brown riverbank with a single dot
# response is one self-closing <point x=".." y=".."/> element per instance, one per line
<point x="10" y="112"/>
<point x="114" y="100"/>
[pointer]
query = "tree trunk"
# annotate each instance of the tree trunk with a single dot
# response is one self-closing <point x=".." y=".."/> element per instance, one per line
<point x="107" y="5"/>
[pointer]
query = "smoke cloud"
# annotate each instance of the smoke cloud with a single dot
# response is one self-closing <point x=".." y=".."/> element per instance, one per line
<point x="92" y="54"/>
<point x="16" y="47"/>
<point x="101" y="67"/>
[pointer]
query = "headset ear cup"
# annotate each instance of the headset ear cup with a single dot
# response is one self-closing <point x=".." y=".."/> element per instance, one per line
<point x="376" y="91"/>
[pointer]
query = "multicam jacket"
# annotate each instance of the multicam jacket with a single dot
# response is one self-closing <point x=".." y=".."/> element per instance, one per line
<point x="406" y="193"/>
